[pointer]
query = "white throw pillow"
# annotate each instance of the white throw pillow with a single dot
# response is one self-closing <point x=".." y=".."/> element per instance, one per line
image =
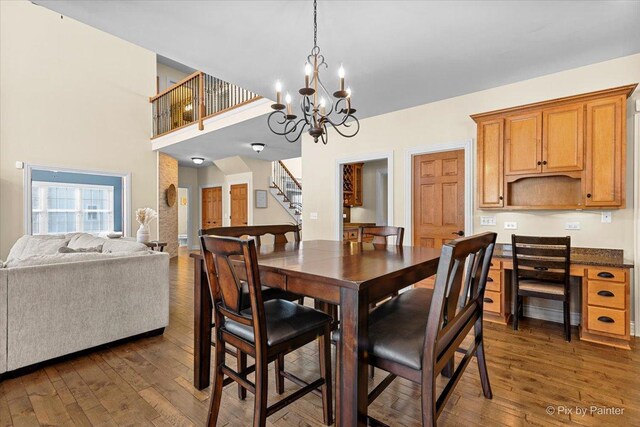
<point x="85" y="240"/>
<point x="122" y="245"/>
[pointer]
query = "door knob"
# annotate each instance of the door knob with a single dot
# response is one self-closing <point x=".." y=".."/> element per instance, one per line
<point x="459" y="233"/>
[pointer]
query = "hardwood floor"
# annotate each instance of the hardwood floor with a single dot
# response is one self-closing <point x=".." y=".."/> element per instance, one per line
<point x="148" y="382"/>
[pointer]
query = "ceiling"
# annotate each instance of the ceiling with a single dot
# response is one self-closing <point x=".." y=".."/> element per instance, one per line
<point x="234" y="140"/>
<point x="397" y="54"/>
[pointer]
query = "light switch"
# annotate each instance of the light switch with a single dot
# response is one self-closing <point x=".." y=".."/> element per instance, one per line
<point x="572" y="226"/>
<point x="510" y="225"/>
<point x="487" y="220"/>
<point x="313" y="215"/>
<point x="606" y="217"/>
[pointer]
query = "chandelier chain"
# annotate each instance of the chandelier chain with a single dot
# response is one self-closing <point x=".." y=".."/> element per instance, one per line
<point x="315" y="23"/>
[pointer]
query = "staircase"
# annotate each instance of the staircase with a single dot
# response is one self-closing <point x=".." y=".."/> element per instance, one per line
<point x="287" y="190"/>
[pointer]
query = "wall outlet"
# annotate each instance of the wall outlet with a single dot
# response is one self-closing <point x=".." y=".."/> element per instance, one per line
<point x="487" y="220"/>
<point x="510" y="225"/>
<point x="313" y="215"/>
<point x="572" y="226"/>
<point x="606" y="217"/>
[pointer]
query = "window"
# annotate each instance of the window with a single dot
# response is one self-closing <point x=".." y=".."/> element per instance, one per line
<point x="67" y="208"/>
<point x="68" y="201"/>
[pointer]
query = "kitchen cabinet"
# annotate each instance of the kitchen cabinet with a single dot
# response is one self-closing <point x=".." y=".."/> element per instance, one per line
<point x="352" y="184"/>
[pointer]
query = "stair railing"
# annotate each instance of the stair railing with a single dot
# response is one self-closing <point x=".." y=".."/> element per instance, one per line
<point x="194" y="99"/>
<point x="288" y="186"/>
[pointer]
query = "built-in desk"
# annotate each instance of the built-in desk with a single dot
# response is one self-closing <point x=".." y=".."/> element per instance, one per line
<point x="605" y="299"/>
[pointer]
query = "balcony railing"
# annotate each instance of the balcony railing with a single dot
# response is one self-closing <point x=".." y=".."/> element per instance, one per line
<point x="194" y="99"/>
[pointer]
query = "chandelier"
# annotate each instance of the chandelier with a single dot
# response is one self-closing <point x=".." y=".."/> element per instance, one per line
<point x="319" y="108"/>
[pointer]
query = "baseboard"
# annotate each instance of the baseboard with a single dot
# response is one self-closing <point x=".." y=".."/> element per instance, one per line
<point x="550" y="314"/>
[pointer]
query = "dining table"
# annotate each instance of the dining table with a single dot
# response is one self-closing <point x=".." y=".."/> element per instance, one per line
<point x="347" y="274"/>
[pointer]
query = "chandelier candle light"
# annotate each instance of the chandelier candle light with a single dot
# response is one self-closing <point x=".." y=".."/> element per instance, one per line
<point x="315" y="114"/>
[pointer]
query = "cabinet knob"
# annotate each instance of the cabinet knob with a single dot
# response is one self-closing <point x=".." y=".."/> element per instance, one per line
<point x="588" y="195"/>
<point x="539" y="162"/>
<point x="500" y="197"/>
<point x="544" y="162"/>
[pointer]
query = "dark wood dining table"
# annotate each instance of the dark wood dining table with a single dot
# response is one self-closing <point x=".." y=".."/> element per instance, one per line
<point x="347" y="274"/>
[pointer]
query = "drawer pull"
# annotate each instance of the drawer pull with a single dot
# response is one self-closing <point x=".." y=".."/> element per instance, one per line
<point x="606" y="294"/>
<point x="606" y="319"/>
<point x="605" y="275"/>
<point x="489" y="279"/>
<point x="488" y="300"/>
<point x="540" y="268"/>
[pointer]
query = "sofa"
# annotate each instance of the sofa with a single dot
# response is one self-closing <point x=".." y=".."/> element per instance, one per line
<point x="98" y="291"/>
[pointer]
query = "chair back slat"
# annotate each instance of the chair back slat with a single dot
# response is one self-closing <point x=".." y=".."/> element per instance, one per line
<point x="230" y="262"/>
<point x="278" y="231"/>
<point x="546" y="259"/>
<point x="381" y="234"/>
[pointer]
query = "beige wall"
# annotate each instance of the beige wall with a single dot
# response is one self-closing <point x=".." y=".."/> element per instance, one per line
<point x="70" y="96"/>
<point x="167" y="215"/>
<point x="448" y="121"/>
<point x="367" y="212"/>
<point x="295" y="166"/>
<point x="166" y="74"/>
<point x="252" y="171"/>
<point x="183" y="211"/>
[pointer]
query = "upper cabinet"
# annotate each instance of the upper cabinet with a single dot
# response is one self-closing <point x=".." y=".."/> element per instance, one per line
<point x="352" y="184"/>
<point x="566" y="153"/>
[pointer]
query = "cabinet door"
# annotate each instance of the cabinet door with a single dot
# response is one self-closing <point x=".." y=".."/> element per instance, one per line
<point x="523" y="144"/>
<point x="357" y="181"/>
<point x="563" y="139"/>
<point x="605" y="152"/>
<point x="490" y="164"/>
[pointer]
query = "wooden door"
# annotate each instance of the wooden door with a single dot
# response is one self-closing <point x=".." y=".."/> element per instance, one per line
<point x="605" y="152"/>
<point x="239" y="204"/>
<point x="523" y="144"/>
<point x="438" y="198"/>
<point x="211" y="207"/>
<point x="563" y="138"/>
<point x="490" y="164"/>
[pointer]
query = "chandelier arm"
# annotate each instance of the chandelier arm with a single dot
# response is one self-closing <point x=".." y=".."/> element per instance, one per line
<point x="269" y="119"/>
<point x="325" y="134"/>
<point x="347" y="135"/>
<point x="293" y="129"/>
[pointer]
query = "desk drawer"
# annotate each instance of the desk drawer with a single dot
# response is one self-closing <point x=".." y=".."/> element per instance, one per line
<point x="608" y="274"/>
<point x="494" y="280"/>
<point x="495" y="265"/>
<point x="606" y="294"/>
<point x="492" y="301"/>
<point x="606" y="320"/>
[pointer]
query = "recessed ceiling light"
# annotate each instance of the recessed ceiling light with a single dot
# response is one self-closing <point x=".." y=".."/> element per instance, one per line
<point x="197" y="160"/>
<point x="257" y="146"/>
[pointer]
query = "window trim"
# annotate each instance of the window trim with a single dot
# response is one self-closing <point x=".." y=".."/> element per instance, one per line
<point x="126" y="191"/>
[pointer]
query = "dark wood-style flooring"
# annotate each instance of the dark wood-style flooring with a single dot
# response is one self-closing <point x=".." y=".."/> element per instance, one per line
<point x="149" y="382"/>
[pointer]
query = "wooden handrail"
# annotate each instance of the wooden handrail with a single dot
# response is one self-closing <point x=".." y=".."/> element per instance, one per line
<point x="169" y="89"/>
<point x="290" y="174"/>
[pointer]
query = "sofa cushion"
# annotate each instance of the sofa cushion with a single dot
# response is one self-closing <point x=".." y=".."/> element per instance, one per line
<point x="122" y="245"/>
<point x="62" y="258"/>
<point x="84" y="240"/>
<point x="28" y="245"/>
<point x="68" y="250"/>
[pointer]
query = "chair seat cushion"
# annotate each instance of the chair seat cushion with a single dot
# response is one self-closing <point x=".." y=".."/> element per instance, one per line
<point x="267" y="294"/>
<point x="541" y="287"/>
<point x="397" y="328"/>
<point x="285" y="320"/>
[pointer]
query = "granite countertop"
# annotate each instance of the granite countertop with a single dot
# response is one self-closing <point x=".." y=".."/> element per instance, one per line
<point x="586" y="256"/>
<point x="357" y="224"/>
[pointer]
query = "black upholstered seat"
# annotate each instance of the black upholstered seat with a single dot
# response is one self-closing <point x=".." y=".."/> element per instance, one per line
<point x="267" y="294"/>
<point x="284" y="320"/>
<point x="397" y="328"/>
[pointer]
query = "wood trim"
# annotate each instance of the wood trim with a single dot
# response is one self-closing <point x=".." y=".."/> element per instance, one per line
<point x="169" y="89"/>
<point x="620" y="90"/>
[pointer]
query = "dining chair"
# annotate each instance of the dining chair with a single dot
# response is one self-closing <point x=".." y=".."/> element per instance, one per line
<point x="541" y="269"/>
<point x="416" y="334"/>
<point x="381" y="234"/>
<point x="279" y="233"/>
<point x="266" y="330"/>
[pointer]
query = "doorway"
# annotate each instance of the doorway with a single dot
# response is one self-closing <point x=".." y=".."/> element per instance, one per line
<point x="239" y="204"/>
<point x="183" y="216"/>
<point x="211" y="207"/>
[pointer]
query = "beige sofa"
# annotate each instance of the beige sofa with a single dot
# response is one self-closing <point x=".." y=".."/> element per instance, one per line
<point x="53" y="304"/>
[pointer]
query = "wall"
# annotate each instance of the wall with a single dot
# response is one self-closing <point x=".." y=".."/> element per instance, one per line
<point x="166" y="74"/>
<point x="167" y="215"/>
<point x="70" y="96"/>
<point x="295" y="166"/>
<point x="367" y="212"/>
<point x="183" y="210"/>
<point x="448" y="121"/>
<point x="188" y="178"/>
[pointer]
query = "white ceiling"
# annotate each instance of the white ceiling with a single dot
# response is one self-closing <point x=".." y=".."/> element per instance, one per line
<point x="397" y="54"/>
